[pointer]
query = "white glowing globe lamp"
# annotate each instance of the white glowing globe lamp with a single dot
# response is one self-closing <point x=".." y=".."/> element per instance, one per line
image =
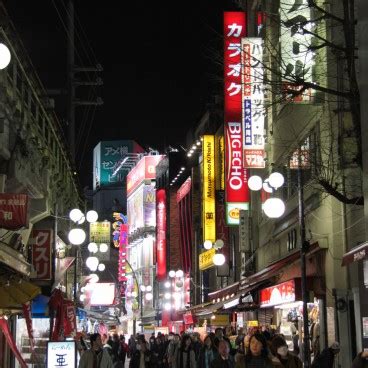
<point x="172" y="273"/>
<point x="101" y="267"/>
<point x="218" y="259"/>
<point x="92" y="263"/>
<point x="149" y="288"/>
<point x="167" y="284"/>
<point x="179" y="273"/>
<point x="5" y="56"/>
<point x="167" y="306"/>
<point x="93" y="278"/>
<point x="274" y="207"/>
<point x="75" y="215"/>
<point x="143" y="288"/>
<point x="82" y="298"/>
<point x="267" y="187"/>
<point x="92" y="248"/>
<point x="255" y="183"/>
<point x="92" y="216"/>
<point x="219" y="243"/>
<point x="149" y="296"/>
<point x="77" y="236"/>
<point x="104" y="247"/>
<point x="167" y="296"/>
<point x="83" y="289"/>
<point x="276" y="180"/>
<point x="179" y="284"/>
<point x="207" y="244"/>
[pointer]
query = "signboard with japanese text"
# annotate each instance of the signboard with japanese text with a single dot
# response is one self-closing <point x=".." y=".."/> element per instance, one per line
<point x="295" y="41"/>
<point x="278" y="294"/>
<point x="206" y="259"/>
<point x="209" y="200"/>
<point x="149" y="206"/>
<point x="106" y="157"/>
<point x="237" y="191"/>
<point x="161" y="269"/>
<point x="144" y="170"/>
<point x="123" y="243"/>
<point x="13" y="211"/>
<point x="100" y="232"/>
<point x="61" y="354"/>
<point x="41" y="253"/>
<point x="253" y="102"/>
<point x="183" y="190"/>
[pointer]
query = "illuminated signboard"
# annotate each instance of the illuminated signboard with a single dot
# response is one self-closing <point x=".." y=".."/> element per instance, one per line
<point x="123" y="243"/>
<point x="161" y="234"/>
<point x="206" y="259"/>
<point x="41" y="253"/>
<point x="100" y="232"/>
<point x="102" y="293"/>
<point x="237" y="191"/>
<point x="253" y="102"/>
<point x="61" y="354"/>
<point x="278" y="294"/>
<point x="209" y="201"/>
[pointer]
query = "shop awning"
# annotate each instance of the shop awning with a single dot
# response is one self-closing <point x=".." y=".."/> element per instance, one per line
<point x="209" y="309"/>
<point x="14" y="293"/>
<point x="355" y="254"/>
<point x="226" y="291"/>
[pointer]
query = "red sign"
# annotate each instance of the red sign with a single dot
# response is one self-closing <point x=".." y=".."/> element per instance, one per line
<point x="13" y="211"/>
<point x="70" y="323"/>
<point x="161" y="234"/>
<point x="237" y="190"/>
<point x="41" y="254"/>
<point x="145" y="169"/>
<point x="183" y="190"/>
<point x="278" y="294"/>
<point x="123" y="242"/>
<point x="188" y="318"/>
<point x="28" y="317"/>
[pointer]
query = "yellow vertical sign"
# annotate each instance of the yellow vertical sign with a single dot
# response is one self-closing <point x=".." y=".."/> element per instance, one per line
<point x="208" y="193"/>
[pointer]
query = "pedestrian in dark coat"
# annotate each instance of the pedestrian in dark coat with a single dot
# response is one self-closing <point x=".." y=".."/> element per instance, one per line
<point x="282" y="355"/>
<point x="327" y="357"/>
<point x="142" y="356"/>
<point x="223" y="359"/>
<point x="208" y="353"/>
<point x="361" y="360"/>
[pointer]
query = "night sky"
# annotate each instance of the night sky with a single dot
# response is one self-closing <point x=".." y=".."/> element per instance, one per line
<point x="160" y="63"/>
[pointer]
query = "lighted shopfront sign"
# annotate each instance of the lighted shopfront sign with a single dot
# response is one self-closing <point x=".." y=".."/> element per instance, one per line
<point x="102" y="293"/>
<point x="278" y="294"/>
<point x="13" y="211"/>
<point x="100" y="232"/>
<point x="209" y="200"/>
<point x="161" y="234"/>
<point x="61" y="354"/>
<point x="253" y="102"/>
<point x="123" y="243"/>
<point x="206" y="259"/>
<point x="237" y="192"/>
<point x="41" y="253"/>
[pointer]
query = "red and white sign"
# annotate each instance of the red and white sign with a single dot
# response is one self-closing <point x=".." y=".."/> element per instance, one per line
<point x="70" y="322"/>
<point x="123" y="242"/>
<point x="183" y="190"/>
<point x="188" y="318"/>
<point x="28" y="317"/>
<point x="13" y="211"/>
<point x="161" y="234"/>
<point x="278" y="294"/>
<point x="145" y="169"/>
<point x="41" y="254"/>
<point x="237" y="191"/>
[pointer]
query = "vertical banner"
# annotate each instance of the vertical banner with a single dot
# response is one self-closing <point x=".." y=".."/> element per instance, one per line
<point x="253" y="102"/>
<point x="161" y="234"/>
<point x="28" y="317"/>
<point x="123" y="242"/>
<point x="70" y="322"/>
<point x="41" y="253"/>
<point x="209" y="201"/>
<point x="237" y="191"/>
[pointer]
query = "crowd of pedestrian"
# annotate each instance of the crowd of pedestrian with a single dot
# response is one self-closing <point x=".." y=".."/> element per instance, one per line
<point x="219" y="349"/>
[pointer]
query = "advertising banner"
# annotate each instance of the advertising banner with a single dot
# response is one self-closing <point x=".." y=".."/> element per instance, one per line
<point x="237" y="191"/>
<point x="253" y="102"/>
<point x="100" y="232"/>
<point x="135" y="210"/>
<point x="123" y="242"/>
<point x="161" y="235"/>
<point x="209" y="201"/>
<point x="61" y="354"/>
<point x="41" y="253"/>
<point x="70" y="322"/>
<point x="13" y="211"/>
<point x="149" y="210"/>
<point x="278" y="294"/>
<point x="206" y="259"/>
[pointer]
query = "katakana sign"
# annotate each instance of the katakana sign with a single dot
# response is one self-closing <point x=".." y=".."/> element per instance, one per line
<point x="41" y="253"/>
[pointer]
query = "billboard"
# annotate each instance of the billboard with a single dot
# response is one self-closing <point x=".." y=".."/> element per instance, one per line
<point x="278" y="294"/>
<point x="237" y="192"/>
<point x="13" y="211"/>
<point x="102" y="293"/>
<point x="100" y="232"/>
<point x="253" y="102"/>
<point x="106" y="156"/>
<point x="41" y="253"/>
<point x="208" y="197"/>
<point x="161" y="234"/>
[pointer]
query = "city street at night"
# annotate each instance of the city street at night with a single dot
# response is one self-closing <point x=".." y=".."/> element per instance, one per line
<point x="183" y="185"/>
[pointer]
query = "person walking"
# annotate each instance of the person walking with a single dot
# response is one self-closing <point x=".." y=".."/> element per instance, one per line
<point x="361" y="360"/>
<point x="132" y="345"/>
<point x="327" y="357"/>
<point x="185" y="358"/>
<point x="196" y="345"/>
<point x="223" y="359"/>
<point x="142" y="357"/>
<point x="172" y="351"/>
<point x="208" y="353"/>
<point x="123" y="349"/>
<point x="96" y="356"/>
<point x="280" y="351"/>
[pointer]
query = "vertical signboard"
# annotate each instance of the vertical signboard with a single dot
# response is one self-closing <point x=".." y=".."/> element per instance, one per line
<point x="13" y="211"/>
<point x="209" y="200"/>
<point x="161" y="235"/>
<point x="41" y="253"/>
<point x="253" y="102"/>
<point x="237" y="192"/>
<point x="123" y="243"/>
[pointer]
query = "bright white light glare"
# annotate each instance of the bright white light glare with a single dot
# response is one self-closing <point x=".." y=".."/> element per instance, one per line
<point x="92" y="216"/>
<point x="274" y="207"/>
<point x="172" y="273"/>
<point x="77" y="236"/>
<point x="101" y="267"/>
<point x="167" y="306"/>
<point x="167" y="296"/>
<point x="189" y="154"/>
<point x="218" y="259"/>
<point x="167" y="284"/>
<point x="75" y="214"/>
<point x="194" y="147"/>
<point x="176" y="296"/>
<point x="149" y="296"/>
<point x="92" y="247"/>
<point x="81" y="220"/>
<point x="266" y="187"/>
<point x="207" y="244"/>
<point x="93" y="278"/>
<point x="82" y="298"/>
<point x="83" y="289"/>
<point x="179" y="273"/>
<point x="143" y="288"/>
<point x="198" y="143"/>
<point x="219" y="243"/>
<point x="5" y="56"/>
<point x="128" y="294"/>
<point x="134" y="294"/>
<point x="255" y="182"/>
<point x="183" y="168"/>
<point x="103" y="248"/>
<point x="92" y="263"/>
<point x="149" y="288"/>
<point x="276" y="180"/>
